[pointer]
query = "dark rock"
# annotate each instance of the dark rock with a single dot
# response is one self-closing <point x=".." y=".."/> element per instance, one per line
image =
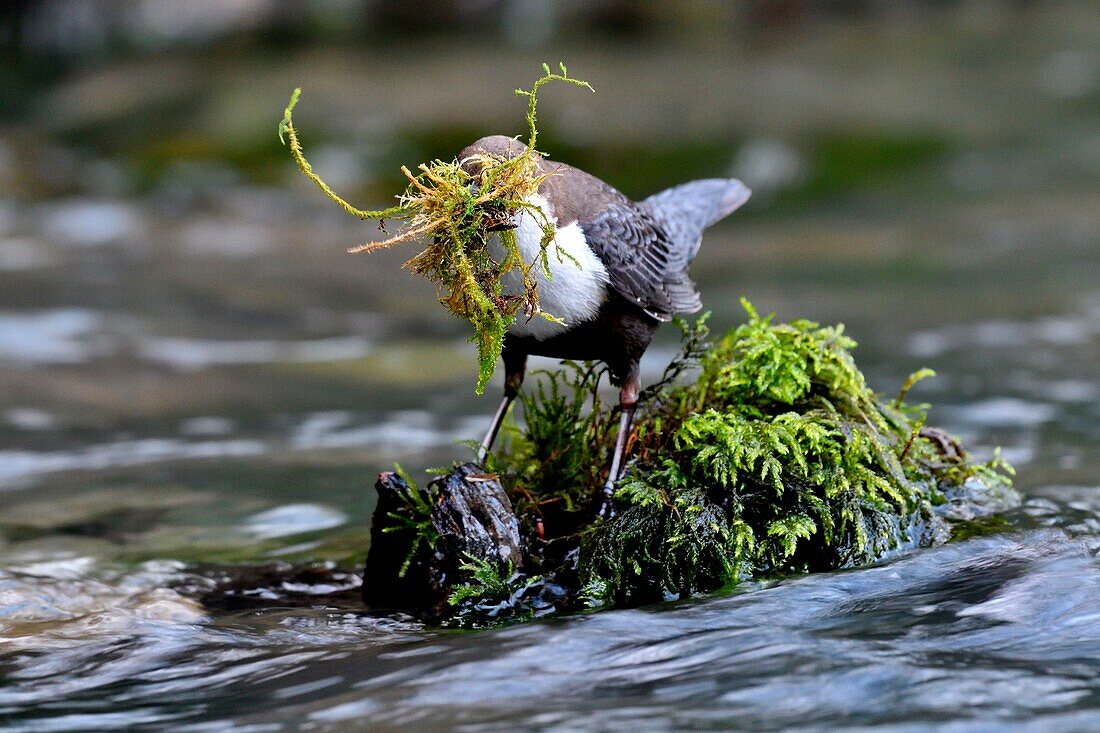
<point x="413" y="568"/>
<point x="474" y="516"/>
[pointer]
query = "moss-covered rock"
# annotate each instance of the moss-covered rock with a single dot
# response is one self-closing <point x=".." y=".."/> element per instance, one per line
<point x="778" y="458"/>
<point x="775" y="458"/>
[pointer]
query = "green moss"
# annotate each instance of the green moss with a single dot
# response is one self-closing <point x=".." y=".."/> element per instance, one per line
<point x="494" y="591"/>
<point x="776" y="458"/>
<point x="454" y="211"/>
<point x="557" y="457"/>
<point x="415" y="516"/>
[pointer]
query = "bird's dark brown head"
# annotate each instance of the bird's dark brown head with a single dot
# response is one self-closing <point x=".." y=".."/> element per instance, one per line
<point x="496" y="145"/>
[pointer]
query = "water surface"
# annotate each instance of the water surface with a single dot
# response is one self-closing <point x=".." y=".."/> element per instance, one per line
<point x="195" y="379"/>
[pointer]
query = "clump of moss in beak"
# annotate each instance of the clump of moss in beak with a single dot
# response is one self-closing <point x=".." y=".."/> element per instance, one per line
<point x="456" y="212"/>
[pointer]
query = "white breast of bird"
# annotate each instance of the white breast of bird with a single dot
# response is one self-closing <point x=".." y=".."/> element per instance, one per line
<point x="578" y="281"/>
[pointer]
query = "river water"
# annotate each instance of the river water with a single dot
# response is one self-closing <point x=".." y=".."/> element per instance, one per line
<point x="196" y="384"/>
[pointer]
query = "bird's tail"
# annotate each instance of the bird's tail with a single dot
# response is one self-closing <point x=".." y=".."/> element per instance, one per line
<point x="684" y="211"/>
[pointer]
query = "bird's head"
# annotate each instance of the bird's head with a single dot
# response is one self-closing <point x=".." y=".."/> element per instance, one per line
<point x="501" y="147"/>
<point x="485" y="161"/>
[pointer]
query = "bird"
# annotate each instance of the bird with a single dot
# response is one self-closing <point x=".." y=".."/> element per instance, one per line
<point x="624" y="272"/>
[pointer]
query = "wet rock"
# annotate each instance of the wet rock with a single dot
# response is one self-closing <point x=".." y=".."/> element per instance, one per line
<point x="276" y="584"/>
<point x="421" y="537"/>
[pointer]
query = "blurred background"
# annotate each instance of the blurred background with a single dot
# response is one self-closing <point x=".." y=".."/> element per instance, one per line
<point x="191" y="366"/>
<point x="194" y="375"/>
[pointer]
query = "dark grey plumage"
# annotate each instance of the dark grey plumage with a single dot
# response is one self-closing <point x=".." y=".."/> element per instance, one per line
<point x="646" y="248"/>
<point x="646" y="265"/>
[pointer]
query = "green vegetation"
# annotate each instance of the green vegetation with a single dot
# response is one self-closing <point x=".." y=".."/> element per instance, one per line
<point x="557" y="458"/>
<point x="456" y="211"/>
<point x="777" y="458"/>
<point x="415" y="515"/>
<point x="492" y="585"/>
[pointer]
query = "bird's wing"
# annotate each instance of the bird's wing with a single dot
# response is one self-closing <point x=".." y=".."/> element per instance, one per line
<point x="640" y="260"/>
<point x="686" y="210"/>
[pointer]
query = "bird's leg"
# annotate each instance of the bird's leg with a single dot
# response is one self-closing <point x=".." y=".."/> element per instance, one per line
<point x="514" y="367"/>
<point x="494" y="428"/>
<point x="628" y="400"/>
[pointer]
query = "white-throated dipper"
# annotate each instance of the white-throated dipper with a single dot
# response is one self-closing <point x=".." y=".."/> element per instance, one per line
<point x="626" y="273"/>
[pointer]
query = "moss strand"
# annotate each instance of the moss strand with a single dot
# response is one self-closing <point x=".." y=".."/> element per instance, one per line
<point x="454" y="211"/>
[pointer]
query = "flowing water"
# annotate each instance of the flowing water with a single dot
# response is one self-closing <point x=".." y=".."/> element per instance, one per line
<point x="197" y="386"/>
